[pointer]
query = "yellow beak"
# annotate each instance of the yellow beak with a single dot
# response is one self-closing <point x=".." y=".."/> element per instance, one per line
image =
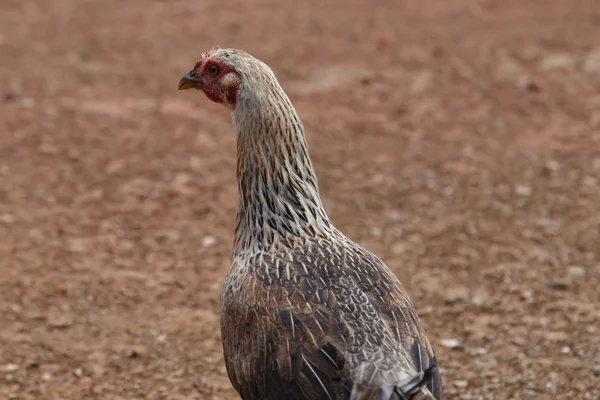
<point x="189" y="81"/>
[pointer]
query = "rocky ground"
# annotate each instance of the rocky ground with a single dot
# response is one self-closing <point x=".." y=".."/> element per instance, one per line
<point x="458" y="140"/>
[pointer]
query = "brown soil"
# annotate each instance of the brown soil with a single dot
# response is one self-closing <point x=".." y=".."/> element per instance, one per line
<point x="458" y="140"/>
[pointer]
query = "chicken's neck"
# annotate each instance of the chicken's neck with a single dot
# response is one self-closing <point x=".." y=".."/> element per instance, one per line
<point x="278" y="199"/>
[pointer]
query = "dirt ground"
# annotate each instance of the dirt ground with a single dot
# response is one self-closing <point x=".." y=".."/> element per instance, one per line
<point x="458" y="140"/>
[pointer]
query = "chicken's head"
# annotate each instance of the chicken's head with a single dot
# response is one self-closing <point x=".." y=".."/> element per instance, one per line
<point x="217" y="75"/>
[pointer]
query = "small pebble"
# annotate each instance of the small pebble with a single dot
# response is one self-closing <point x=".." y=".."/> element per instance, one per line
<point x="557" y="61"/>
<point x="161" y="339"/>
<point x="15" y="308"/>
<point x="78" y="372"/>
<point x="451" y="343"/>
<point x="477" y="301"/>
<point x="479" y="351"/>
<point x="547" y="223"/>
<point x="7" y="219"/>
<point x="10" y="368"/>
<point x="553" y="165"/>
<point x="164" y="394"/>
<point x="566" y="350"/>
<point x="527" y="295"/>
<point x="461" y="384"/>
<point x="426" y="310"/>
<point x="208" y="241"/>
<point x="523" y="190"/>
<point x="376" y="231"/>
<point x="575" y="270"/>
<point x="398" y="216"/>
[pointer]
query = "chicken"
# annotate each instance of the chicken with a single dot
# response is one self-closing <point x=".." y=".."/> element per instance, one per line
<point x="307" y="313"/>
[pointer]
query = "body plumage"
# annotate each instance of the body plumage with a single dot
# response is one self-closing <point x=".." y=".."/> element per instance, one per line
<point x="307" y="313"/>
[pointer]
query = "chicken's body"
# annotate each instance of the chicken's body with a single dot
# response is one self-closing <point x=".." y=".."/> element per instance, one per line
<point x="307" y="313"/>
<point x="317" y="319"/>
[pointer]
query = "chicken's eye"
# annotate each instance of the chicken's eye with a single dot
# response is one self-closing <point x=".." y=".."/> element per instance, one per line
<point x="213" y="69"/>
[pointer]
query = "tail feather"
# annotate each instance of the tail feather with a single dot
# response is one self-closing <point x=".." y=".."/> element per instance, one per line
<point x="420" y="386"/>
<point x="414" y="387"/>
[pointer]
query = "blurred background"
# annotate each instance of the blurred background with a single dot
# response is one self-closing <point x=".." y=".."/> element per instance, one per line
<point x="458" y="140"/>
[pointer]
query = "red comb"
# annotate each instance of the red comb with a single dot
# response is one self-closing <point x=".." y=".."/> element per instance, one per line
<point x="212" y="50"/>
<point x="204" y="56"/>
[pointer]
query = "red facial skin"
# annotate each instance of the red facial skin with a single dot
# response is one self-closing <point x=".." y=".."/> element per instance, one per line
<point x="212" y="83"/>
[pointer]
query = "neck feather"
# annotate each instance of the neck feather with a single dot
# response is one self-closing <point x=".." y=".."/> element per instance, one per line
<point x="278" y="200"/>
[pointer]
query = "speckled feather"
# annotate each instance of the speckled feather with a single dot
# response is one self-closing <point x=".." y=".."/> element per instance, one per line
<point x="307" y="313"/>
